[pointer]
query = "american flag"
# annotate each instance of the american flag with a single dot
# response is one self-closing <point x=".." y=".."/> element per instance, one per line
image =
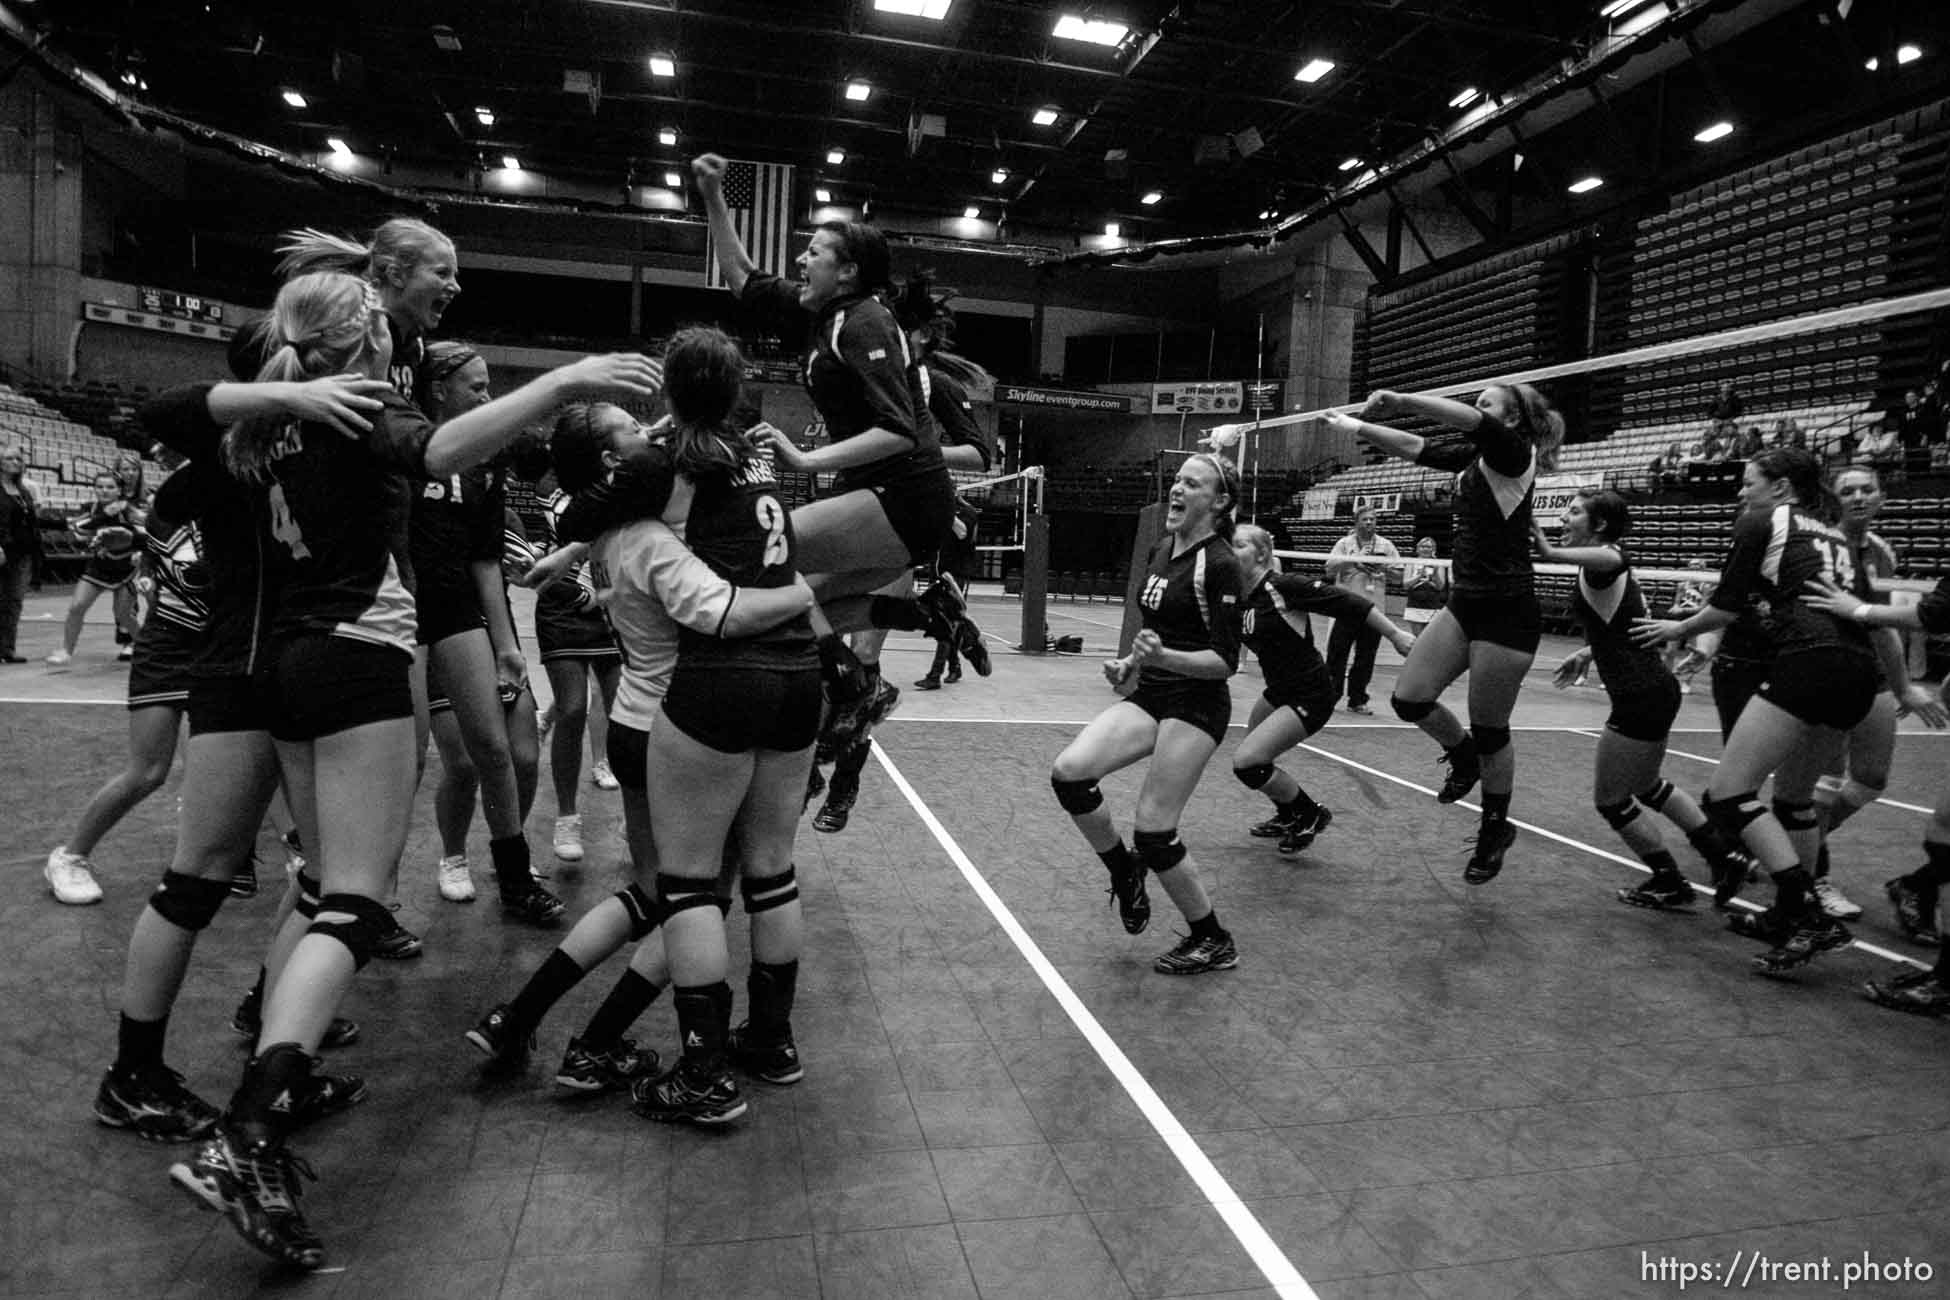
<point x="761" y="202"/>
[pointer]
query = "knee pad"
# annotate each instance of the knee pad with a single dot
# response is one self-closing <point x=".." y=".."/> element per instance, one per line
<point x="1411" y="710"/>
<point x="1855" y="795"/>
<point x="1489" y="739"/>
<point x="1734" y="813"/>
<point x="641" y="908"/>
<point x="1256" y="776"/>
<point x="681" y="893"/>
<point x="1158" y="850"/>
<point x="768" y="892"/>
<point x="1795" y="815"/>
<point x="370" y="922"/>
<point x="1621" y="814"/>
<point x="188" y="902"/>
<point x="1654" y="797"/>
<point x="309" y="892"/>
<point x="1077" y="797"/>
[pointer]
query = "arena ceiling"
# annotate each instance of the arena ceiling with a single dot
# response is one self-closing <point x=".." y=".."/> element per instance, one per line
<point x="1195" y="119"/>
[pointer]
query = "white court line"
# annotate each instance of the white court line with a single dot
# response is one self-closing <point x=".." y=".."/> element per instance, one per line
<point x="1596" y="852"/>
<point x="25" y="699"/>
<point x="1253" y="1237"/>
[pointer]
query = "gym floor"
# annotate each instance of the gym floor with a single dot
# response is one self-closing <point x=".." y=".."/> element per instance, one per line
<point x="1408" y="1088"/>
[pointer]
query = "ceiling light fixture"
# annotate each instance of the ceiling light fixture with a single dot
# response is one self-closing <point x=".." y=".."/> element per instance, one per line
<point x="1095" y="31"/>
<point x="1908" y="53"/>
<point x="1349" y="164"/>
<point x="673" y="181"/>
<point x="835" y="157"/>
<point x="858" y="90"/>
<point x="339" y="146"/>
<point x="822" y="195"/>
<point x="1111" y="230"/>
<point x="1619" y="7"/>
<point x="1586" y="185"/>
<point x="1314" y="71"/>
<point x="1717" y="131"/>
<point x="1151" y="197"/>
<point x="1043" y="117"/>
<point x="935" y="9"/>
<point x="667" y="136"/>
<point x="294" y="99"/>
<point x="484" y="115"/>
<point x="1465" y="97"/>
<point x="971" y="214"/>
<point x="510" y="163"/>
<point x="662" y="65"/>
<point x="998" y="176"/>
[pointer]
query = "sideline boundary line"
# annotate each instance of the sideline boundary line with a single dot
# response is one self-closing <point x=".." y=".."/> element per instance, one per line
<point x="1251" y="1234"/>
<point x="1873" y="949"/>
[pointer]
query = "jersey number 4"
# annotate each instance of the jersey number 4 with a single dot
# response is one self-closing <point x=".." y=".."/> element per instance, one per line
<point x="771" y="517"/>
<point x="284" y="527"/>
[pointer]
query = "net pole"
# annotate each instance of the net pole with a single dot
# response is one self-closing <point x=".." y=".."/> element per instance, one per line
<point x="1035" y="581"/>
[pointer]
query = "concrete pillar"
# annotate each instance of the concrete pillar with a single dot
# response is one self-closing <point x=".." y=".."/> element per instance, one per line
<point x="40" y="232"/>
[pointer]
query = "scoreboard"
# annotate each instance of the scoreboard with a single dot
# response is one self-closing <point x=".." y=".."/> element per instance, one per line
<point x="182" y="306"/>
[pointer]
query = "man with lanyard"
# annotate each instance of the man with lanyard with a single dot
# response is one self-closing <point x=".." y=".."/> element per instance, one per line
<point x="1347" y="569"/>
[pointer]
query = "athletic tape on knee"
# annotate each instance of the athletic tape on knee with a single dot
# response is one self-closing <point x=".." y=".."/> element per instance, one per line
<point x="642" y="909"/>
<point x="1795" y="814"/>
<point x="1489" y="739"/>
<point x="768" y="892"/>
<point x="1077" y="797"/>
<point x="1655" y="796"/>
<point x="1256" y="776"/>
<point x="188" y="902"/>
<point x="369" y="922"/>
<point x="1734" y="813"/>
<point x="1411" y="710"/>
<point x="681" y="893"/>
<point x="1621" y="814"/>
<point x="1158" y="850"/>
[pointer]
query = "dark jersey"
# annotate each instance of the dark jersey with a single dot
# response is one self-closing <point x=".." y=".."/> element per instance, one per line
<point x="861" y="375"/>
<point x="233" y="523"/>
<point x="1873" y="558"/>
<point x="110" y="534"/>
<point x="1191" y="600"/>
<point x="735" y="523"/>
<point x="1274" y="625"/>
<point x="456" y="522"/>
<point x="172" y="550"/>
<point x="1775" y="554"/>
<point x="335" y="512"/>
<point x="954" y="415"/>
<point x="1497" y="471"/>
<point x="1607" y="606"/>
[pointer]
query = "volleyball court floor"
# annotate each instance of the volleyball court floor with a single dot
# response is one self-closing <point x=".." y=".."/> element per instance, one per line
<point x="1408" y="1088"/>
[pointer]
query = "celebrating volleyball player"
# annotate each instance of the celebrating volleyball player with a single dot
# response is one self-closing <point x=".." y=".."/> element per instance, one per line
<point x="1823" y="681"/>
<point x="230" y="769"/>
<point x="1299" y="696"/>
<point x="1177" y="716"/>
<point x="1915" y="895"/>
<point x="482" y="715"/>
<point x="108" y="526"/>
<point x="1644" y="702"/>
<point x="729" y="753"/>
<point x="341" y="705"/>
<point x="1493" y="624"/>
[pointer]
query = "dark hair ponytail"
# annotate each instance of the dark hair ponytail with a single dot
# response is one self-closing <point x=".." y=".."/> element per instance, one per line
<point x="1802" y="470"/>
<point x="865" y="247"/>
<point x="1608" y="513"/>
<point x="575" y="448"/>
<point x="704" y="372"/>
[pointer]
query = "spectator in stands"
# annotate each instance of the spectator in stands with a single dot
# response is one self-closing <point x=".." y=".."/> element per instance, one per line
<point x="1350" y="569"/>
<point x="1883" y="447"/>
<point x="1711" y="449"/>
<point x="1725" y="414"/>
<point x="1918" y="426"/>
<point x="1788" y="433"/>
<point x="108" y="528"/>
<point x="1745" y="444"/>
<point x="20" y="547"/>
<point x="1427" y="586"/>
<point x="1668" y="469"/>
